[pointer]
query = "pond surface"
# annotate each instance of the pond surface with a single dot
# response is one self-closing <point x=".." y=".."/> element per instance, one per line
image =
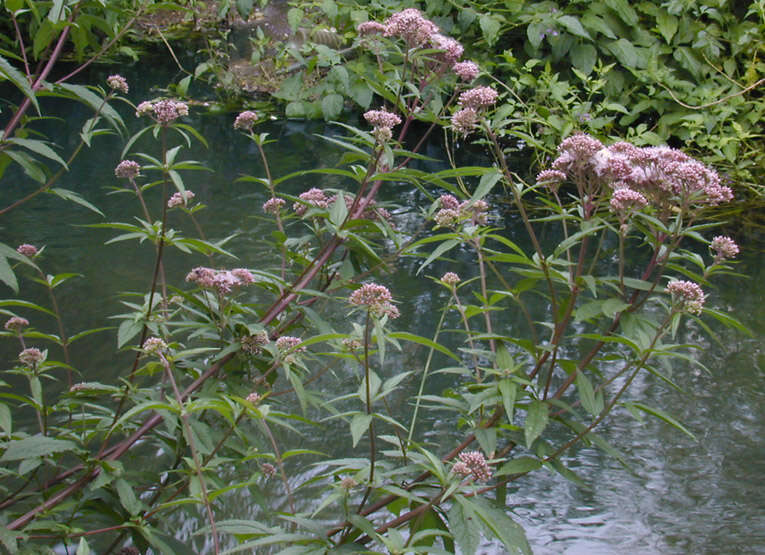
<point x="679" y="495"/>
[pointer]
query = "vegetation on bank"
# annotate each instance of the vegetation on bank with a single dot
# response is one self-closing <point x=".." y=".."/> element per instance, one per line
<point x="229" y="367"/>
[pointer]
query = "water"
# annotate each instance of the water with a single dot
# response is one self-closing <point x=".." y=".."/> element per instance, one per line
<point x="680" y="495"/>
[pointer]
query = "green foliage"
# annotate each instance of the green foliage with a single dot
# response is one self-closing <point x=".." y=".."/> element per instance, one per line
<point x="228" y="365"/>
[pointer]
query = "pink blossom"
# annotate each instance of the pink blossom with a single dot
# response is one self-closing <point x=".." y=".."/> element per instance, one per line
<point x="144" y="108"/>
<point x="254" y="397"/>
<point x="451" y="49"/>
<point x="467" y="71"/>
<point x="689" y="295"/>
<point x="625" y="199"/>
<point x="31" y="357"/>
<point x="476" y="462"/>
<point x="724" y="247"/>
<point x="381" y="118"/>
<point x="154" y="345"/>
<point x="273" y="205"/>
<point x="449" y="201"/>
<point x="447" y="217"/>
<point x="450" y="278"/>
<point x="27" y="250"/>
<point x="224" y="281"/>
<point x="166" y="111"/>
<point x="16" y="323"/>
<point x="464" y="121"/>
<point x="289" y="343"/>
<point x="118" y="83"/>
<point x="478" y="97"/>
<point x="411" y="26"/>
<point x="127" y="169"/>
<point x="377" y="298"/>
<point x="314" y="197"/>
<point x="246" y="120"/>
<point x="180" y="198"/>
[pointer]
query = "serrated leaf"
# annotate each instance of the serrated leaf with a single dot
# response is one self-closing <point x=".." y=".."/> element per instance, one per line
<point x="667" y="25"/>
<point x="19" y="80"/>
<point x="625" y="52"/>
<point x="509" y="391"/>
<point x="490" y="26"/>
<point x="128" y="330"/>
<point x="35" y="446"/>
<point x="626" y="12"/>
<point x="536" y="421"/>
<point x="331" y="106"/>
<point x="463" y="527"/>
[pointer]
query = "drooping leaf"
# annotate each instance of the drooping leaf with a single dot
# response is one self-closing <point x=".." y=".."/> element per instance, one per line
<point x="536" y="421"/>
<point x="35" y="446"/>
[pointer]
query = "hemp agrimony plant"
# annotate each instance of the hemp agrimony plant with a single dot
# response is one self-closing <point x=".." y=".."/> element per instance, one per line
<point x="540" y="340"/>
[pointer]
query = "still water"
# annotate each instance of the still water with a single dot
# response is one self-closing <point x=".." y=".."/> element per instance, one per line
<point x="678" y="496"/>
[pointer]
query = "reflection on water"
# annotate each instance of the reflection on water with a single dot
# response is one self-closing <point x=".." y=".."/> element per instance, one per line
<point x="680" y="496"/>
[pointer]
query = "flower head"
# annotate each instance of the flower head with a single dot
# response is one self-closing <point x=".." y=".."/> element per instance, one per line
<point x="268" y="469"/>
<point x="449" y="202"/>
<point x="31" y="357"/>
<point x="625" y="199"/>
<point x="254" y="398"/>
<point x="144" y="108"/>
<point x="180" y="198"/>
<point x="246" y="120"/>
<point x="273" y="205"/>
<point x="447" y="217"/>
<point x="289" y="343"/>
<point x="117" y="83"/>
<point x="478" y="97"/>
<point x="224" y="281"/>
<point x="27" y="250"/>
<point x="16" y="323"/>
<point x="411" y="26"/>
<point x="451" y="50"/>
<point x="476" y="463"/>
<point x="450" y="278"/>
<point x="315" y="197"/>
<point x="127" y="169"/>
<point x="689" y="296"/>
<point x="381" y="118"/>
<point x="464" y="121"/>
<point x="253" y="344"/>
<point x="467" y="71"/>
<point x="166" y="111"/>
<point x="377" y="298"/>
<point x="724" y="248"/>
<point x="348" y="483"/>
<point x="154" y="346"/>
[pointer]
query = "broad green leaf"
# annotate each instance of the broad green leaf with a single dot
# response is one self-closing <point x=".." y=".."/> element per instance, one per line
<point x="6" y="421"/>
<point x="406" y="336"/>
<point x="331" y="106"/>
<point x="38" y="147"/>
<point x="7" y="275"/>
<point x="574" y="27"/>
<point x="83" y="548"/>
<point x="667" y="25"/>
<point x="490" y="27"/>
<point x="625" y="52"/>
<point x="612" y="307"/>
<point x="359" y="426"/>
<point x="463" y="526"/>
<point x="584" y="56"/>
<point x="486" y="184"/>
<point x="35" y="446"/>
<point x="536" y="421"/>
<point x="626" y="12"/>
<point x="509" y="532"/>
<point x="509" y="391"/>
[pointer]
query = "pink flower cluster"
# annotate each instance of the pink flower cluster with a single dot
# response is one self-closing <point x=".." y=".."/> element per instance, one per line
<point x="16" y="323"/>
<point x="473" y="462"/>
<point x="688" y="294"/>
<point x="467" y="71"/>
<point x="273" y="205"/>
<point x="180" y="198"/>
<point x="662" y="175"/>
<point x="625" y="199"/>
<point x="377" y="298"/>
<point x="223" y="281"/>
<point x="312" y="197"/>
<point x="27" y="250"/>
<point x="724" y="248"/>
<point x="453" y="211"/>
<point x="246" y="120"/>
<point x="411" y="26"/>
<point x="117" y="83"/>
<point x="450" y="278"/>
<point x="164" y="111"/>
<point x="473" y="101"/>
<point x="31" y="357"/>
<point x="451" y="50"/>
<point x="154" y="346"/>
<point x="127" y="169"/>
<point x="370" y="28"/>
<point x="381" y="118"/>
<point x="289" y="343"/>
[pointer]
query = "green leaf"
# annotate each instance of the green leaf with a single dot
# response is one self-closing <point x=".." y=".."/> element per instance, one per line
<point x="7" y="276"/>
<point x="509" y="532"/>
<point x="624" y="10"/>
<point x="490" y="26"/>
<point x="38" y="147"/>
<point x="486" y="184"/>
<point x="331" y="106"/>
<point x="406" y="336"/>
<point x="440" y="249"/>
<point x="625" y="52"/>
<point x="83" y="548"/>
<point x="667" y="25"/>
<point x="76" y="198"/>
<point x="244" y="7"/>
<point x="6" y="421"/>
<point x="574" y="27"/>
<point x="509" y="391"/>
<point x="536" y="421"/>
<point x="661" y="415"/>
<point x="591" y="402"/>
<point x="359" y="426"/>
<point x="584" y="56"/>
<point x="128" y="330"/>
<point x="612" y="307"/>
<point x="35" y="446"/>
<point x="521" y="465"/>
<point x="463" y="526"/>
<point x="19" y="80"/>
<point x="294" y="18"/>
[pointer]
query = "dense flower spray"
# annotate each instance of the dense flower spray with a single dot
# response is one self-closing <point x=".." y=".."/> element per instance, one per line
<point x="377" y="298"/>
